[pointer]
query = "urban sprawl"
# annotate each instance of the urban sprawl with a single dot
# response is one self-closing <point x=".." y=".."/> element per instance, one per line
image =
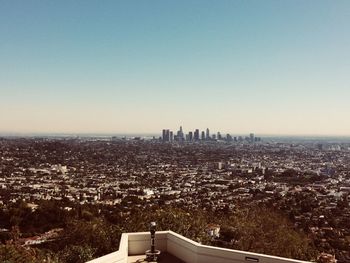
<point x="308" y="180"/>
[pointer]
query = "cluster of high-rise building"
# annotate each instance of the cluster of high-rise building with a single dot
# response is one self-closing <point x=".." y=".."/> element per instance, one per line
<point x="196" y="135"/>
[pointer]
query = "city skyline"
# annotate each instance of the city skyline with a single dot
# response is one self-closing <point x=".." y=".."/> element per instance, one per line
<point x="275" y="68"/>
<point x="204" y="135"/>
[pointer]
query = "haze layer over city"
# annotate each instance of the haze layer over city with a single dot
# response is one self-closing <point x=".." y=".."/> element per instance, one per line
<point x="207" y="131"/>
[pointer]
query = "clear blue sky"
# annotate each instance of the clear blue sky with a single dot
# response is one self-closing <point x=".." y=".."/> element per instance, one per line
<point x="269" y="67"/>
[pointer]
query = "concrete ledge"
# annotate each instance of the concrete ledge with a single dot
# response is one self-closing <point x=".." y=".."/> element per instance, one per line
<point x="185" y="249"/>
<point x="206" y="254"/>
<point x="193" y="252"/>
<point x="182" y="247"/>
<point x="139" y="242"/>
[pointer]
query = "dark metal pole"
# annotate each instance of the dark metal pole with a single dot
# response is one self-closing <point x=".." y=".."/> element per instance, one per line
<point x="153" y="231"/>
<point x="152" y="254"/>
<point x="152" y="242"/>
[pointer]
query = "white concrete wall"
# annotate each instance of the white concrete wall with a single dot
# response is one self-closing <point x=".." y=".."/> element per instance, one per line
<point x="193" y="252"/>
<point x="185" y="249"/>
<point x="182" y="247"/>
<point x="139" y="242"/>
<point x="208" y="254"/>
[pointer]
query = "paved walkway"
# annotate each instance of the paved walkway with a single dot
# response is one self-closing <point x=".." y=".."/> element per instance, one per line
<point x="164" y="258"/>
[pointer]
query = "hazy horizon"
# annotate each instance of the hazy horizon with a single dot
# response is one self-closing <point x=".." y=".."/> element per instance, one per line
<point x="159" y="134"/>
<point x="268" y="67"/>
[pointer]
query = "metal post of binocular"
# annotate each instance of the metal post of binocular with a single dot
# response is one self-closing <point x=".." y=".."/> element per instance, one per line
<point x="152" y="255"/>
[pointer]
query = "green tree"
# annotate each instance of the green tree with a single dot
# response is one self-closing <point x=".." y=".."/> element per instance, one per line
<point x="189" y="224"/>
<point x="265" y="231"/>
<point x="96" y="237"/>
<point x="77" y="254"/>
